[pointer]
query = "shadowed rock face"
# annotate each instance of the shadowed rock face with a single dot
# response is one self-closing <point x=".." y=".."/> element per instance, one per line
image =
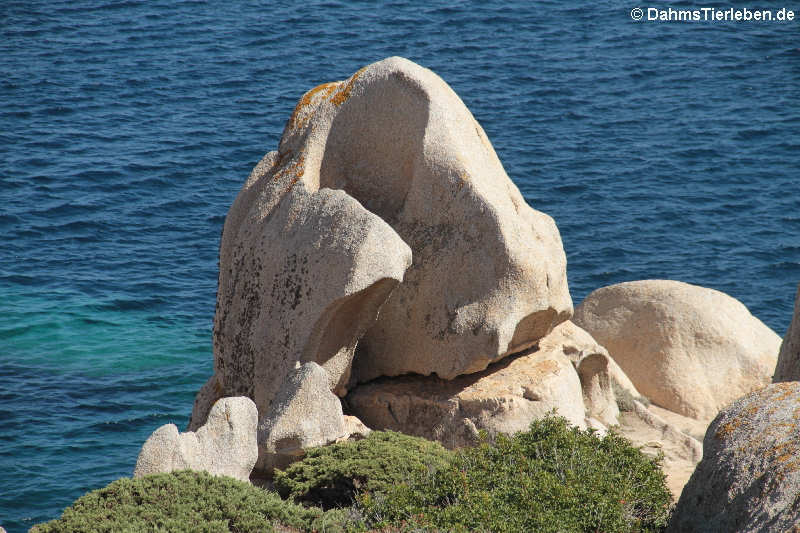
<point x="381" y="178"/>
<point x="689" y="349"/>
<point x="749" y="477"/>
<point x="788" y="367"/>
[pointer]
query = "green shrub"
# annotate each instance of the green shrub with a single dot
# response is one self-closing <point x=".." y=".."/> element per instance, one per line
<point x="188" y="501"/>
<point x="550" y="478"/>
<point x="330" y="476"/>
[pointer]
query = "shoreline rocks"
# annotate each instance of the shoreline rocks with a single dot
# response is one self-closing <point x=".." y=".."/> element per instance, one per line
<point x="381" y="257"/>
<point x="504" y="398"/>
<point x="567" y="372"/>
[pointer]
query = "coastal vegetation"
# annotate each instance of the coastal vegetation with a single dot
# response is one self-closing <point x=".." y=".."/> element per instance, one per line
<point x="553" y="477"/>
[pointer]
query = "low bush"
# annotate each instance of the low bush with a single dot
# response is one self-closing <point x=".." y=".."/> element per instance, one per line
<point x="550" y="478"/>
<point x="191" y="502"/>
<point x="330" y="476"/>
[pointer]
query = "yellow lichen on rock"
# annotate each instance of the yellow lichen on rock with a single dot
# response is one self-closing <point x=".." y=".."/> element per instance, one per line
<point x="343" y="94"/>
<point x="323" y="90"/>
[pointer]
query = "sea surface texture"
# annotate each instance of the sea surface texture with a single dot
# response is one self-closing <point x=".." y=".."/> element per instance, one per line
<point x="662" y="150"/>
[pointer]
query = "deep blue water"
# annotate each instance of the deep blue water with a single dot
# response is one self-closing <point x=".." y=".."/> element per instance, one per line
<point x="662" y="150"/>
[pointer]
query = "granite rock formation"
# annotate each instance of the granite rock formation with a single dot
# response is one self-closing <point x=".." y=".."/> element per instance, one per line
<point x="383" y="237"/>
<point x="504" y="398"/>
<point x="304" y="414"/>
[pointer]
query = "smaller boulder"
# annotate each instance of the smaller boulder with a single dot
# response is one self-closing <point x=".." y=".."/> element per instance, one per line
<point x="354" y="429"/>
<point x="788" y="367"/>
<point x="225" y="445"/>
<point x="749" y="477"/>
<point x="304" y="414"/>
<point x="689" y="349"/>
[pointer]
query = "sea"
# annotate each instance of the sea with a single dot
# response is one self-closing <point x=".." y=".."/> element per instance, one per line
<point x="662" y="148"/>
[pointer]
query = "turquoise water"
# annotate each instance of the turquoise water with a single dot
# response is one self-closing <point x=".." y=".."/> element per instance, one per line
<point x="661" y="150"/>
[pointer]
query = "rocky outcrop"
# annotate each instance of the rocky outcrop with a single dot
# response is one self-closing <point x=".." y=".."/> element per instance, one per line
<point x="566" y="370"/>
<point x="381" y="178"/>
<point x="788" y="367"/>
<point x="225" y="445"/>
<point x="489" y="272"/>
<point x="749" y="477"/>
<point x="689" y="349"/>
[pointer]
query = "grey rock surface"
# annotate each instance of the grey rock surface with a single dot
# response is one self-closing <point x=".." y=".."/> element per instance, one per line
<point x="788" y="367"/>
<point x="689" y="349"/>
<point x="225" y="445"/>
<point x="749" y="477"/>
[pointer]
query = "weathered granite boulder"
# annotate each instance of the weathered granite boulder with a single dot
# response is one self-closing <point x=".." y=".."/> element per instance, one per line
<point x="788" y="367"/>
<point x="504" y="398"/>
<point x="225" y="445"/>
<point x="749" y="477"/>
<point x="489" y="273"/>
<point x="689" y="349"/>
<point x="300" y="282"/>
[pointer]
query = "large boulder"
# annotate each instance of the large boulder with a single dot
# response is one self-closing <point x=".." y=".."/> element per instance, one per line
<point x="489" y="273"/>
<point x="749" y="477"/>
<point x="225" y="445"/>
<point x="788" y="367"/>
<point x="369" y="170"/>
<point x="689" y="349"/>
<point x="504" y="398"/>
